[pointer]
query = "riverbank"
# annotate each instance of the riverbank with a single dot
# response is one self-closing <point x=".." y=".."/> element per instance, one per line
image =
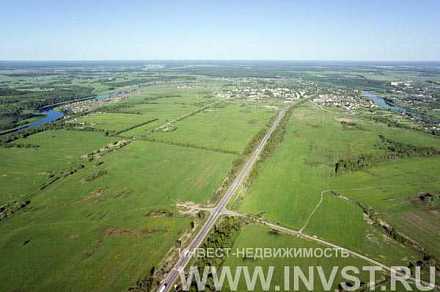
<point x="382" y="102"/>
<point x="49" y="116"/>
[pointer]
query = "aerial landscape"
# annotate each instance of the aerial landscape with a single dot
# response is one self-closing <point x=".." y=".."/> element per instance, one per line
<point x="219" y="172"/>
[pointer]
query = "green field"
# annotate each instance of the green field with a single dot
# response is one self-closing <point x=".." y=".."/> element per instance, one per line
<point x="101" y="199"/>
<point x="109" y="224"/>
<point x="113" y="122"/>
<point x="391" y="189"/>
<point x="196" y="95"/>
<point x="225" y="126"/>
<point x="159" y="104"/>
<point x="23" y="170"/>
<point x="287" y="186"/>
<point x="254" y="237"/>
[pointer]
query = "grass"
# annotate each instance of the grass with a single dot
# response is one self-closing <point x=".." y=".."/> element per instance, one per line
<point x="162" y="112"/>
<point x="228" y="127"/>
<point x="23" y="170"/>
<point x="164" y="104"/>
<point x="94" y="229"/>
<point x="254" y="236"/>
<point x="287" y="185"/>
<point x="342" y="222"/>
<point x="391" y="190"/>
<point x="170" y="94"/>
<point x="31" y="120"/>
<point x="113" y="122"/>
<point x="93" y="232"/>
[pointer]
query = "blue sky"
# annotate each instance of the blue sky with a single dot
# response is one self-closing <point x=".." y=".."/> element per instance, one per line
<point x="216" y="29"/>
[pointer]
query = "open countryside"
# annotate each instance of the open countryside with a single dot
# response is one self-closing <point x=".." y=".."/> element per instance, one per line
<point x="106" y="197"/>
<point x="186" y="146"/>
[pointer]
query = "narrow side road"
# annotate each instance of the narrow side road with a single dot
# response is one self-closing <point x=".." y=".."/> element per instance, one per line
<point x="185" y="256"/>
<point x="300" y="234"/>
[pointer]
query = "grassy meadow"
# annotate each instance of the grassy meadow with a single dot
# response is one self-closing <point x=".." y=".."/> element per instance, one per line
<point x="225" y="126"/>
<point x="287" y="185"/>
<point x="391" y="190"/>
<point x="255" y="236"/>
<point x="156" y="104"/>
<point x="23" y="170"/>
<point x="106" y="226"/>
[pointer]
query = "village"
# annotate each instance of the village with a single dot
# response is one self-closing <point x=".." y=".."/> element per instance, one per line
<point x="88" y="105"/>
<point x="348" y="100"/>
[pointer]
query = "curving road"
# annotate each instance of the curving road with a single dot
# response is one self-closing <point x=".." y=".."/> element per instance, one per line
<point x="185" y="256"/>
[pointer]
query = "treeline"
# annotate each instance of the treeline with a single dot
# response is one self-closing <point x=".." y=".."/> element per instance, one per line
<point x="53" y="177"/>
<point x="96" y="154"/>
<point x="11" y="91"/>
<point x="393" y="150"/>
<point x="279" y="133"/>
<point x="151" y="98"/>
<point x="429" y="199"/>
<point x="424" y="120"/>
<point x="29" y="99"/>
<point x="188" y="145"/>
<point x="402" y="150"/>
<point x="426" y="260"/>
<point x="197" y="111"/>
<point x="357" y="163"/>
<point x="10" y="208"/>
<point x="79" y="127"/>
<point x="135" y="126"/>
<point x="239" y="162"/>
<point x="21" y="145"/>
<point x="123" y="83"/>
<point x="18" y="105"/>
<point x="222" y="237"/>
<point x="24" y="133"/>
<point x="391" y="123"/>
<point x="120" y="107"/>
<point x="276" y="139"/>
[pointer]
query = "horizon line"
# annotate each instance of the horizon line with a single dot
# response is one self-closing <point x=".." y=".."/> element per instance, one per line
<point x="218" y="60"/>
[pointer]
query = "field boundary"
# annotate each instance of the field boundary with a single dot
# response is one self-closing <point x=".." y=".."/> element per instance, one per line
<point x="245" y="170"/>
<point x="135" y="126"/>
<point x="185" y="116"/>
<point x="218" y="150"/>
<point x="297" y="233"/>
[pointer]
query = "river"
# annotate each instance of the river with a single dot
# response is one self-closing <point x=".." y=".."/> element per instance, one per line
<point x="382" y="103"/>
<point x="50" y="117"/>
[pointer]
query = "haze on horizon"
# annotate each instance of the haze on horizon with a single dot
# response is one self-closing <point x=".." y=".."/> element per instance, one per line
<point x="223" y="30"/>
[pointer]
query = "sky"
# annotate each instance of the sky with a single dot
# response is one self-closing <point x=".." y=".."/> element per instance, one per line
<point x="365" y="30"/>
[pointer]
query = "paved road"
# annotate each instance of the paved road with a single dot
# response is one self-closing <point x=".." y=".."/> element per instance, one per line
<point x="185" y="256"/>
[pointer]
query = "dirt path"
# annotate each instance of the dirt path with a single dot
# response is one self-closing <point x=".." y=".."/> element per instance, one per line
<point x="299" y="234"/>
<point x="314" y="211"/>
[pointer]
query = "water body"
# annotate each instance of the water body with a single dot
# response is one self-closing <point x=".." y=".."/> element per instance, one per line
<point x="50" y="117"/>
<point x="103" y="96"/>
<point x="382" y="103"/>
